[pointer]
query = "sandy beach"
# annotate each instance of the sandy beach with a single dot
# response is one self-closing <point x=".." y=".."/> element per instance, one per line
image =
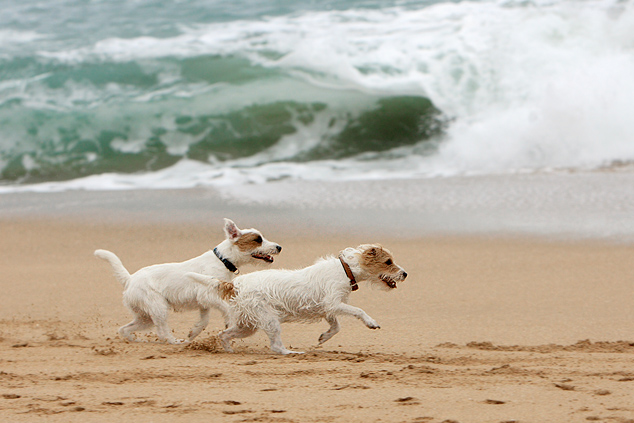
<point x="485" y="329"/>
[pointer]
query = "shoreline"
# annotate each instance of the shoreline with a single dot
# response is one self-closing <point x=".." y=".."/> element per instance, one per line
<point x="559" y="206"/>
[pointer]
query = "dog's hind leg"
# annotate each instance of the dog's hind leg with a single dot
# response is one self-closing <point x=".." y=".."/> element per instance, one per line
<point x="234" y="332"/>
<point x="139" y="323"/>
<point x="332" y="331"/>
<point x="274" y="330"/>
<point x="201" y="325"/>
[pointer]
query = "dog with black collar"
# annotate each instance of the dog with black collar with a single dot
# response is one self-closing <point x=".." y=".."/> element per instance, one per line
<point x="153" y="291"/>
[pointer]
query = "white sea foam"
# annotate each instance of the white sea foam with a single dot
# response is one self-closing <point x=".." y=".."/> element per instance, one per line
<point x="10" y="36"/>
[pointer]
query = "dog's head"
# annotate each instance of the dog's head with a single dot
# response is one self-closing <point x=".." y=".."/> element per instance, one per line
<point x="249" y="246"/>
<point x="378" y="266"/>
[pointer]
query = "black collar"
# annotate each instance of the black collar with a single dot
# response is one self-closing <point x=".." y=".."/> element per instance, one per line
<point x="346" y="268"/>
<point x="230" y="266"/>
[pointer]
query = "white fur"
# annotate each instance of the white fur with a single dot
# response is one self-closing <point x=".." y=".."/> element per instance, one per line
<point x="152" y="291"/>
<point x="265" y="299"/>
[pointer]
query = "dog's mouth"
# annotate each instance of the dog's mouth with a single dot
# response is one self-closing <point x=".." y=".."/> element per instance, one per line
<point x="263" y="257"/>
<point x="388" y="281"/>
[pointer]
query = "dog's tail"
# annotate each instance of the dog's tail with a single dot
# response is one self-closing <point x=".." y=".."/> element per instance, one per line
<point x="225" y="289"/>
<point x="120" y="272"/>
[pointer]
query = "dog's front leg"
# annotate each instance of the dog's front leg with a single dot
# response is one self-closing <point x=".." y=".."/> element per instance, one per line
<point x="201" y="325"/>
<point x="163" y="331"/>
<point x="358" y="313"/>
<point x="225" y="310"/>
<point x="332" y="331"/>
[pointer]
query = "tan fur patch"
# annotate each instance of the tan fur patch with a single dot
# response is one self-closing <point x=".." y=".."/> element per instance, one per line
<point x="248" y="242"/>
<point x="378" y="261"/>
<point x="226" y="291"/>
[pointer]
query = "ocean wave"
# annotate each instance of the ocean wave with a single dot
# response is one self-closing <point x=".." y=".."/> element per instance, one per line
<point x="88" y="143"/>
<point x="440" y="89"/>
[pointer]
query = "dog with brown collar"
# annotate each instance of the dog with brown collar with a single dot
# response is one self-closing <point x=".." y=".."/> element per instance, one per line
<point x="266" y="299"/>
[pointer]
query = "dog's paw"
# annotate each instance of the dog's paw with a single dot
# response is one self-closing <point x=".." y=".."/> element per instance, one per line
<point x="191" y="337"/>
<point x="372" y="324"/>
<point x="226" y="346"/>
<point x="134" y="340"/>
<point x="287" y="352"/>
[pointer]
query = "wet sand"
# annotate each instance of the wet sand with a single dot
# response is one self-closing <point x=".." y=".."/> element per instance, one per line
<point x="485" y="329"/>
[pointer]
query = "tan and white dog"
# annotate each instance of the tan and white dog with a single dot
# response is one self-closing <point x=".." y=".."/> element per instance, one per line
<point x="152" y="291"/>
<point x="267" y="298"/>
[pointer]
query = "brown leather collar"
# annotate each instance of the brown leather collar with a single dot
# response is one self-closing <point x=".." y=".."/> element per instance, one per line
<point x="346" y="268"/>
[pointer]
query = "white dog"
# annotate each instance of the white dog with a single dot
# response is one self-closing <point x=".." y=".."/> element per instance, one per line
<point x="267" y="298"/>
<point x="152" y="291"/>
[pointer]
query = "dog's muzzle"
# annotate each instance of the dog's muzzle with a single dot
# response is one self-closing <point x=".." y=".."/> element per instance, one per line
<point x="267" y="257"/>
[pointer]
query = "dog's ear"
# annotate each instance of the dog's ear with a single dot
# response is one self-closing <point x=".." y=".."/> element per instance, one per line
<point x="231" y="230"/>
<point x="372" y="251"/>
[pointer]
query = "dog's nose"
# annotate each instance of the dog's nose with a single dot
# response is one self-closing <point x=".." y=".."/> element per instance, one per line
<point x="404" y="274"/>
<point x="279" y="248"/>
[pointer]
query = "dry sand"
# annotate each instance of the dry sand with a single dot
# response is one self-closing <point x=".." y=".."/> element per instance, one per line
<point x="483" y="330"/>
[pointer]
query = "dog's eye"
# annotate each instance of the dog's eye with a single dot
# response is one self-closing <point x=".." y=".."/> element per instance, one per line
<point x="258" y="240"/>
<point x="389" y="262"/>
